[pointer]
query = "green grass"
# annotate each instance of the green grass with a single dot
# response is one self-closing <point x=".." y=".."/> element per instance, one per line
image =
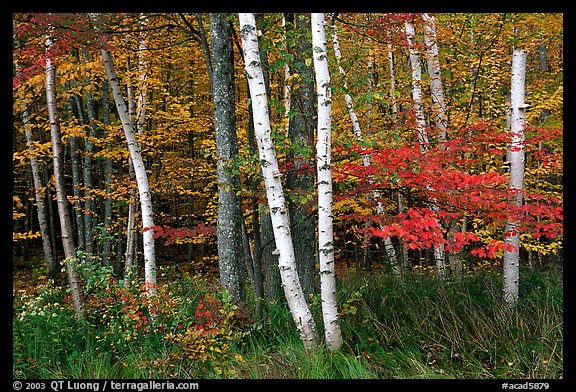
<point x="418" y="329"/>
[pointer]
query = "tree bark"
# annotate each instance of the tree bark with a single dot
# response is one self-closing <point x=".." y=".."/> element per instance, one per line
<point x="516" y="185"/>
<point x="366" y="158"/>
<point x="229" y="226"/>
<point x="300" y="176"/>
<point x="333" y="334"/>
<point x="421" y="128"/>
<point x="141" y="176"/>
<point x="63" y="212"/>
<point x="51" y="265"/>
<point x="274" y="191"/>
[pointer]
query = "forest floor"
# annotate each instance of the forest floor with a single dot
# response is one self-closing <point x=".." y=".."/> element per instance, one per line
<point x="415" y="329"/>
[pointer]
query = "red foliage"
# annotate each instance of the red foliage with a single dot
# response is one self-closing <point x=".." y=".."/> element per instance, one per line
<point x="170" y="234"/>
<point x="450" y="182"/>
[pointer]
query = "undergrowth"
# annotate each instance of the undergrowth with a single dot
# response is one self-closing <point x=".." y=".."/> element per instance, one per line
<point x="417" y="328"/>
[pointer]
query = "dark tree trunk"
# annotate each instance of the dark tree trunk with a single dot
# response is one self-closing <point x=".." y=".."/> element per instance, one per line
<point x="301" y="167"/>
<point x="229" y="226"/>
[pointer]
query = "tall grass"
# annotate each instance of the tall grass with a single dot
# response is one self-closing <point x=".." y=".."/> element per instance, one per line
<point x="415" y="329"/>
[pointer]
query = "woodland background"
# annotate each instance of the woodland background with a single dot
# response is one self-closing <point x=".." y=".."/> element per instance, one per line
<point x="389" y="217"/>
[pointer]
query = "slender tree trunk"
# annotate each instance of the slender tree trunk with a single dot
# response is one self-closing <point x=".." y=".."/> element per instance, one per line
<point x="229" y="213"/>
<point x="516" y="185"/>
<point x="366" y="158"/>
<point x="51" y="265"/>
<point x="90" y="205"/>
<point x="286" y="98"/>
<point x="107" y="232"/>
<point x="141" y="176"/>
<point x="421" y="128"/>
<point x="274" y="190"/>
<point x="205" y="50"/>
<point x="63" y="207"/>
<point x="333" y="334"/>
<point x="434" y="71"/>
<point x="393" y="100"/>
<point x="76" y="174"/>
<point x="300" y="177"/>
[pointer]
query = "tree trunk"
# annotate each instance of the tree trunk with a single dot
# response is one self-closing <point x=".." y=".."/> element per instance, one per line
<point x="141" y="176"/>
<point x="300" y="176"/>
<point x="76" y="175"/>
<point x="90" y="205"/>
<point x="436" y="89"/>
<point x="421" y="129"/>
<point x="333" y="334"/>
<point x="273" y="183"/>
<point x="107" y="232"/>
<point x="229" y="226"/>
<point x="366" y="158"/>
<point x="51" y="265"/>
<point x="58" y="156"/>
<point x="516" y="185"/>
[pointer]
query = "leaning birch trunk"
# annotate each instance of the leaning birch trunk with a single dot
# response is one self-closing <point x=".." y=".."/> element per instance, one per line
<point x="421" y="127"/>
<point x="333" y="334"/>
<point x="38" y="193"/>
<point x="516" y="185"/>
<point x="273" y="183"/>
<point x="141" y="176"/>
<point x="366" y="158"/>
<point x="63" y="212"/>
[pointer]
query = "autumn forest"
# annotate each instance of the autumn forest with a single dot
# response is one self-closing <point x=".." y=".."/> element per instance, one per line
<point x="303" y="196"/>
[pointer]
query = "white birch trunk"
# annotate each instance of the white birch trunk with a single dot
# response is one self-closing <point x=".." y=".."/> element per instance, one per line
<point x="142" y="75"/>
<point x="392" y="82"/>
<point x="140" y="171"/>
<point x="286" y="83"/>
<point x="436" y="88"/>
<point x="63" y="205"/>
<point x="366" y="158"/>
<point x="421" y="127"/>
<point x="516" y="184"/>
<point x="333" y="334"/>
<point x="38" y="191"/>
<point x="273" y="183"/>
<point x="416" y="88"/>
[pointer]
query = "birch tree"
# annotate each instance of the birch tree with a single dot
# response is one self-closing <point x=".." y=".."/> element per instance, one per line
<point x="436" y="90"/>
<point x="516" y="185"/>
<point x="421" y="124"/>
<point x="299" y="310"/>
<point x="333" y="334"/>
<point x="58" y="162"/>
<point x="140" y="171"/>
<point x="366" y="158"/>
<point x="51" y="265"/>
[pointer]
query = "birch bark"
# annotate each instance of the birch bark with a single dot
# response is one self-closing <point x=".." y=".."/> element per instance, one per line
<point x="140" y="171"/>
<point x="516" y="184"/>
<point x="421" y="127"/>
<point x="63" y="211"/>
<point x="333" y="334"/>
<point x="273" y="183"/>
<point x="366" y="158"/>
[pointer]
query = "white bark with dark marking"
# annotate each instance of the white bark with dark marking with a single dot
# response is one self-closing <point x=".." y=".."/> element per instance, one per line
<point x="272" y="180"/>
<point x="516" y="184"/>
<point x="333" y="334"/>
